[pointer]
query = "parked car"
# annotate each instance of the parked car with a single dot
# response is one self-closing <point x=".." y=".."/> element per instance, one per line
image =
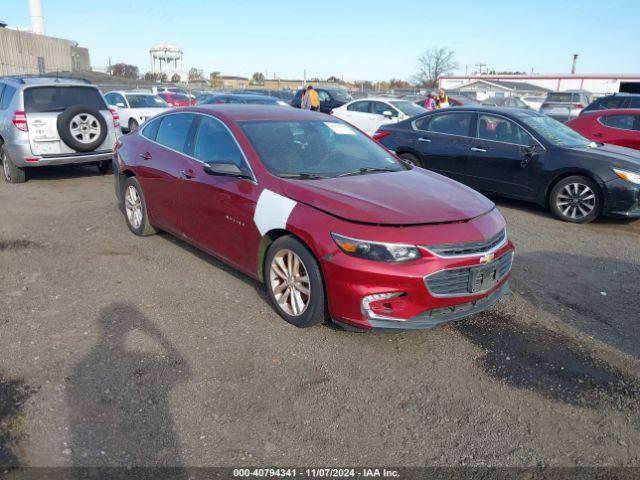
<point x="53" y="121"/>
<point x="525" y="155"/>
<point x="454" y="101"/>
<point x="330" y="98"/>
<point x="134" y="108"/>
<point x="618" y="100"/>
<point x="615" y="127"/>
<point x="317" y="211"/>
<point x="286" y="95"/>
<point x="250" y="99"/>
<point x="511" y="102"/>
<point x="534" y="102"/>
<point x="164" y="89"/>
<point x="177" y="99"/>
<point x="370" y="113"/>
<point x="563" y="106"/>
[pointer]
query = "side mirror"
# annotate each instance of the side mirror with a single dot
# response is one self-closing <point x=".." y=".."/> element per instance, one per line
<point x="225" y="170"/>
<point x="388" y="114"/>
<point x="527" y="154"/>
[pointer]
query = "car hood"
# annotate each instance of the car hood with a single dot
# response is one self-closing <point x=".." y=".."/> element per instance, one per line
<point x="410" y="197"/>
<point x="621" y="157"/>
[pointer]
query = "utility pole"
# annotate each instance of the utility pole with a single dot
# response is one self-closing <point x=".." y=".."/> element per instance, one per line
<point x="480" y="65"/>
<point x="573" y="64"/>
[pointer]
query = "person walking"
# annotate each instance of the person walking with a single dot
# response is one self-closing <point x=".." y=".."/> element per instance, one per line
<point x="442" y="101"/>
<point x="310" y="100"/>
<point x="430" y="102"/>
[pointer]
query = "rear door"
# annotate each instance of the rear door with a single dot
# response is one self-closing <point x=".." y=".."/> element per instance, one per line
<point x="358" y="114"/>
<point x="500" y="159"/>
<point x="443" y="141"/>
<point x="44" y="104"/>
<point x="623" y="130"/>
<point x="217" y="211"/>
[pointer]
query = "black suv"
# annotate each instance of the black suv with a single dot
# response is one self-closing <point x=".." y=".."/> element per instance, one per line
<point x="617" y="100"/>
<point x="330" y="98"/>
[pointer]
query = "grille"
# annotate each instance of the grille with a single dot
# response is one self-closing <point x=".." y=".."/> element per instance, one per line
<point x="472" y="248"/>
<point x="457" y="282"/>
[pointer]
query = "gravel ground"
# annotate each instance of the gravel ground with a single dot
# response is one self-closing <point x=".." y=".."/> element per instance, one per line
<point x="118" y="350"/>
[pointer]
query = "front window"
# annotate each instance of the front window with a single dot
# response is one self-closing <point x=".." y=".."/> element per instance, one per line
<point x="174" y="131"/>
<point x="379" y="108"/>
<point x="408" y="108"/>
<point x="57" y="99"/>
<point x="146" y="101"/>
<point x="554" y="132"/>
<point x="624" y="122"/>
<point x="316" y="148"/>
<point x="214" y="144"/>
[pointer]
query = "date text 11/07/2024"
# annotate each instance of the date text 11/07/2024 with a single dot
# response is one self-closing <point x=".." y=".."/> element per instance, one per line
<point x="315" y="473"/>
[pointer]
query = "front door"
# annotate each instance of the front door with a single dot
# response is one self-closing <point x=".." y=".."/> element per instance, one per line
<point x="504" y="158"/>
<point x="217" y="211"/>
<point x="443" y="141"/>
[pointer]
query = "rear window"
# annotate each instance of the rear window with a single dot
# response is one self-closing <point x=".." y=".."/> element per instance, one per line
<point x="180" y="97"/>
<point x="9" y="91"/>
<point x="565" y="97"/>
<point x="56" y="99"/>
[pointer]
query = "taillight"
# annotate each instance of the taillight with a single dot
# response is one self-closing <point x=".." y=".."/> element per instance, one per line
<point x="380" y="134"/>
<point x="116" y="146"/>
<point x="20" y="121"/>
<point x="331" y="112"/>
<point x="116" y="117"/>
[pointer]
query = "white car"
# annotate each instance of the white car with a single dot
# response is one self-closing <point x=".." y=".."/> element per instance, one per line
<point x="368" y="114"/>
<point x="534" y="102"/>
<point x="135" y="108"/>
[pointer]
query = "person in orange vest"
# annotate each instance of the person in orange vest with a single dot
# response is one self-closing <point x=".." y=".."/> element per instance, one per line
<point x="442" y="101"/>
<point x="311" y="101"/>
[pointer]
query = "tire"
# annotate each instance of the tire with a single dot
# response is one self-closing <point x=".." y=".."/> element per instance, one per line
<point x="11" y="173"/>
<point x="104" y="167"/>
<point x="411" y="159"/>
<point x="313" y="311"/>
<point x="138" y="222"/>
<point x="576" y="199"/>
<point x="82" y="128"/>
<point x="133" y="125"/>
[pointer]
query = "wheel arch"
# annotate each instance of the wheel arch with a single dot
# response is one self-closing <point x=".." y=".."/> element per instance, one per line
<point x="271" y="236"/>
<point x="569" y="173"/>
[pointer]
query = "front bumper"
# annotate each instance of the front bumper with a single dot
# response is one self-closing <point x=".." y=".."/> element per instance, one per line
<point x="353" y="281"/>
<point x="622" y="199"/>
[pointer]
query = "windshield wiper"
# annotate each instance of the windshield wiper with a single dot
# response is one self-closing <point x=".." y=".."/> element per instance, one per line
<point x="363" y="170"/>
<point x="301" y="176"/>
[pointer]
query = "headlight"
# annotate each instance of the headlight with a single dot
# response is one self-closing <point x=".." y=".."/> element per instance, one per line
<point x="382" y="252"/>
<point x="628" y="176"/>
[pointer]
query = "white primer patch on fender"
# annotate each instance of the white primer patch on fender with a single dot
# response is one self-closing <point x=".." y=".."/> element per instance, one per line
<point x="272" y="211"/>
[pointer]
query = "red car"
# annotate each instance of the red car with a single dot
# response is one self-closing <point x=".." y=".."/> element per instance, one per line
<point x="333" y="223"/>
<point x="177" y="99"/>
<point x="617" y="127"/>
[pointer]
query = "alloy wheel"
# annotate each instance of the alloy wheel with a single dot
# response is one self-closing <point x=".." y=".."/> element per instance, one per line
<point x="289" y="282"/>
<point x="5" y="167"/>
<point x="576" y="200"/>
<point x="133" y="207"/>
<point x="84" y="127"/>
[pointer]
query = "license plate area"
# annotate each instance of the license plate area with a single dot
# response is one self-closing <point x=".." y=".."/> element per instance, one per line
<point x="483" y="278"/>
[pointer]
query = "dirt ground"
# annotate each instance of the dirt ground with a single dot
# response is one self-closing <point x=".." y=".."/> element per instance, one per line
<point x="118" y="350"/>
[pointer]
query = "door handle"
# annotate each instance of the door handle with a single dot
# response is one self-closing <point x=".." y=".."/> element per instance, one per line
<point x="422" y="139"/>
<point x="477" y="149"/>
<point x="146" y="156"/>
<point x="187" y="173"/>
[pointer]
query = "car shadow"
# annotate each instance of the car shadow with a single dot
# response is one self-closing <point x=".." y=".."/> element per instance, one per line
<point x="599" y="296"/>
<point x="62" y="172"/>
<point x="118" y="394"/>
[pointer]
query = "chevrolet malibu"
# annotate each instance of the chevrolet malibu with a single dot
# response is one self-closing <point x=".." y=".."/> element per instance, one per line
<point x="317" y="211"/>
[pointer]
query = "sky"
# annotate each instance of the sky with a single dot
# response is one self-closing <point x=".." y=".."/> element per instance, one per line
<point x="351" y="39"/>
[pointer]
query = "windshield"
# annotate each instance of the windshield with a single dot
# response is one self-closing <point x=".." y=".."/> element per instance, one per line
<point x="54" y="99"/>
<point x="341" y="95"/>
<point x="146" y="101"/>
<point x="555" y="132"/>
<point x="408" y="108"/>
<point x="316" y="148"/>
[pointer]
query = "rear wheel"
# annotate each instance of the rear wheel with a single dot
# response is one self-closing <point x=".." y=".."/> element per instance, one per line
<point x="294" y="282"/>
<point x="135" y="209"/>
<point x="12" y="173"/>
<point x="576" y="199"/>
<point x="411" y="159"/>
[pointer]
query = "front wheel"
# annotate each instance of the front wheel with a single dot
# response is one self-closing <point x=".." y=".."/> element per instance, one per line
<point x="410" y="159"/>
<point x="294" y="283"/>
<point x="576" y="199"/>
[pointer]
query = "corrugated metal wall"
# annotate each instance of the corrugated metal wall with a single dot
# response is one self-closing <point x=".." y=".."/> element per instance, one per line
<point x="20" y="53"/>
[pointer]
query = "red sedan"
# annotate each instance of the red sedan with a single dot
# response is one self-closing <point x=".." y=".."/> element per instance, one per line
<point x="617" y="127"/>
<point x="177" y="99"/>
<point x="333" y="223"/>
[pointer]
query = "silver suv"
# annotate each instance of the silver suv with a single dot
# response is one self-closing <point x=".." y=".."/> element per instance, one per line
<point x="53" y="121"/>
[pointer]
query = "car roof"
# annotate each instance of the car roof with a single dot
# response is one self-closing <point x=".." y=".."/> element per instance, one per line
<point x="129" y="92"/>
<point x="508" y="111"/>
<point x="248" y="112"/>
<point x="380" y="99"/>
<point x="253" y="96"/>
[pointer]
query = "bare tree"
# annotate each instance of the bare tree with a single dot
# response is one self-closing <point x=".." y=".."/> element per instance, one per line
<point x="257" y="78"/>
<point x="195" y="74"/>
<point x="434" y="63"/>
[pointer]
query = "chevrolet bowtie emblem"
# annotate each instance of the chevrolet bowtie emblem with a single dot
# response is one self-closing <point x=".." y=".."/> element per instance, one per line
<point x="488" y="258"/>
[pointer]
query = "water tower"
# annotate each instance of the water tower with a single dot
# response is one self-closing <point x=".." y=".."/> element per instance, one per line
<point x="167" y="53"/>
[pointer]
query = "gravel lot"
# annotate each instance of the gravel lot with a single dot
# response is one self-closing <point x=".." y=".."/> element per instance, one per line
<point x="118" y="350"/>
